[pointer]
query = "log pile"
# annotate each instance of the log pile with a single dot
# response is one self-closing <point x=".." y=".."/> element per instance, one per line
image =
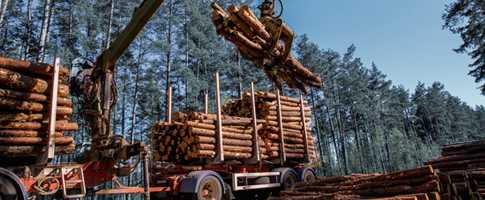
<point x="25" y="90"/>
<point x="252" y="38"/>
<point x="416" y="184"/>
<point x="461" y="156"/>
<point x="477" y="182"/>
<point x="267" y="109"/>
<point x="463" y="165"/>
<point x="192" y="137"/>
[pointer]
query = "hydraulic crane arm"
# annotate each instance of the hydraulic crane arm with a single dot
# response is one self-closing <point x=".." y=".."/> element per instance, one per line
<point x="141" y="16"/>
<point x="100" y="95"/>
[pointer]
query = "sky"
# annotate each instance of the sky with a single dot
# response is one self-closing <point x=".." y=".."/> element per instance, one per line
<point x="404" y="38"/>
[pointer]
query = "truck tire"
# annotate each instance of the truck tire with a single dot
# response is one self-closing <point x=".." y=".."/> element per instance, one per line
<point x="289" y="178"/>
<point x="11" y="187"/>
<point x="210" y="188"/>
<point x="308" y="176"/>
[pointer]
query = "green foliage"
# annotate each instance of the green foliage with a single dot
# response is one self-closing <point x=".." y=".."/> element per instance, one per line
<point x="467" y="19"/>
<point x="366" y="124"/>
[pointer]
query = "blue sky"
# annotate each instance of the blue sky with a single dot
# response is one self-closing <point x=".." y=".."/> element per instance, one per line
<point x="404" y="39"/>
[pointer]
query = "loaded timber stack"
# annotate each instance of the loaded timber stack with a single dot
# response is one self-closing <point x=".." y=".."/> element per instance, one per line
<point x="292" y="123"/>
<point x="25" y="90"/>
<point x="254" y="41"/>
<point x="416" y="184"/>
<point x="464" y="165"/>
<point x="192" y="137"/>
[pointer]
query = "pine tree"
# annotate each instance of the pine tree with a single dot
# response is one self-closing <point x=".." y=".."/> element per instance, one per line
<point x="467" y="18"/>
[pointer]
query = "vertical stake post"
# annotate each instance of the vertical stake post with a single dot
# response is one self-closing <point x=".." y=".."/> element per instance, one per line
<point x="304" y="126"/>
<point x="220" y="142"/>
<point x="51" y="145"/>
<point x="169" y="106"/>
<point x="146" y="168"/>
<point x="256" y="153"/>
<point x="281" y="133"/>
<point x="206" y="103"/>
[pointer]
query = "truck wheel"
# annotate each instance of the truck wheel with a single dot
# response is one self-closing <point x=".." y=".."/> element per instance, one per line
<point x="11" y="187"/>
<point x="289" y="180"/>
<point x="308" y="176"/>
<point x="209" y="189"/>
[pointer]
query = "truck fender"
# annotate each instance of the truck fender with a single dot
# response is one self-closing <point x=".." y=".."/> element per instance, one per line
<point x="16" y="182"/>
<point x="191" y="182"/>
<point x="284" y="171"/>
<point x="301" y="171"/>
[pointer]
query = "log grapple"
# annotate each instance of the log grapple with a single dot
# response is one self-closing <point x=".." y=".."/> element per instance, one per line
<point x="266" y="41"/>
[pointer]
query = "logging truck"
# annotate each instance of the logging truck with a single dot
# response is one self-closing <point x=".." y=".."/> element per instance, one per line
<point x="221" y="178"/>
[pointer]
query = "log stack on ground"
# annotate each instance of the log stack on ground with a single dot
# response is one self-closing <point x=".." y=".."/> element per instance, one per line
<point x="192" y="137"/>
<point x="416" y="184"/>
<point x="464" y="165"/>
<point x="477" y="182"/>
<point x="251" y="37"/>
<point x="293" y="130"/>
<point x="25" y="90"/>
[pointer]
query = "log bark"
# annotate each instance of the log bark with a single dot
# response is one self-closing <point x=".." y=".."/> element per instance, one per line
<point x="20" y="117"/>
<point x="17" y="105"/>
<point x="61" y="101"/>
<point x="228" y="154"/>
<point x="15" y="141"/>
<point x="212" y="133"/>
<point x="60" y="126"/>
<point x="26" y="133"/>
<point x="204" y="146"/>
<point x="212" y="140"/>
<point x="213" y="127"/>
<point x="25" y="151"/>
<point x="16" y="81"/>
<point x="30" y="67"/>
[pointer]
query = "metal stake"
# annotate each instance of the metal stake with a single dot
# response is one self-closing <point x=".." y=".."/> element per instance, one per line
<point x="206" y="102"/>
<point x="305" y="132"/>
<point x="256" y="154"/>
<point x="281" y="133"/>
<point x="51" y="145"/>
<point x="220" y="141"/>
<point x="146" y="174"/>
<point x="169" y="106"/>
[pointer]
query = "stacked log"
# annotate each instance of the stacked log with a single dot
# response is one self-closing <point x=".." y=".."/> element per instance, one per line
<point x="252" y="38"/>
<point x="463" y="166"/>
<point x="461" y="156"/>
<point x="192" y="137"/>
<point x="477" y="182"/>
<point x="293" y="130"/>
<point x="421" y="183"/>
<point x="25" y="90"/>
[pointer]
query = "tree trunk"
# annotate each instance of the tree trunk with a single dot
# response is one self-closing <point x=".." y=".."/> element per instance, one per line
<point x="357" y="139"/>
<point x="168" y="55"/>
<point x="3" y="10"/>
<point x="28" y="28"/>
<point x="317" y="127"/>
<point x="240" y="88"/>
<point x="135" y="93"/>
<point x="123" y="103"/>
<point x="110" y="24"/>
<point x="45" y="29"/>
<point x="135" y="100"/>
<point x="340" y="125"/>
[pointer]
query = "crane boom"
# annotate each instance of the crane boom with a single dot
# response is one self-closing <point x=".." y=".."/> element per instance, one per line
<point x="102" y="95"/>
<point x="141" y="16"/>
